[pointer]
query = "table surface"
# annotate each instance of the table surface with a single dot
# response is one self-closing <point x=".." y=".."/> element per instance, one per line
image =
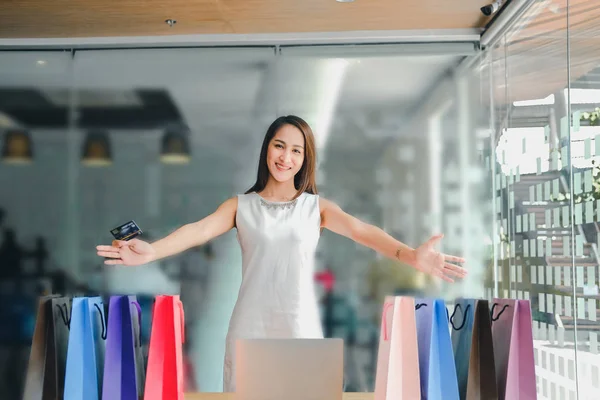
<point x="231" y="396"/>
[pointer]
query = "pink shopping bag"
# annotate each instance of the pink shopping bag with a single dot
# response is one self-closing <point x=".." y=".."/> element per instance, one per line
<point x="513" y="349"/>
<point x="397" y="376"/>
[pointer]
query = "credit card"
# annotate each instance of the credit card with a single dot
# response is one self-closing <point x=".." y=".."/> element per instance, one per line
<point x="127" y="231"/>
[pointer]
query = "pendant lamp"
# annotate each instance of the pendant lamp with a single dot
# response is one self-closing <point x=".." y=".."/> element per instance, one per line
<point x="17" y="147"/>
<point x="96" y="150"/>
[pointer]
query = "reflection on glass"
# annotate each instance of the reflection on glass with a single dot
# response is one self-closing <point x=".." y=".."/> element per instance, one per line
<point x="175" y="148"/>
<point x="583" y="97"/>
<point x="17" y="147"/>
<point x="96" y="150"/>
<point x="546" y="200"/>
<point x="32" y="199"/>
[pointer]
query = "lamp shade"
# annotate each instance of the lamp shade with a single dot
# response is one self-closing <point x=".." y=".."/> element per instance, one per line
<point x="96" y="150"/>
<point x="175" y="148"/>
<point x="17" y="147"/>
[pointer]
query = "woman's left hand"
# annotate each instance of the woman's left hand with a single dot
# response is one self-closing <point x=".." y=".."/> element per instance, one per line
<point x="432" y="262"/>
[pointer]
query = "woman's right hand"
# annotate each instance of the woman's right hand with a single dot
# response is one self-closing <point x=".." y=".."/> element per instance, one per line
<point x="138" y="252"/>
<point x="130" y="253"/>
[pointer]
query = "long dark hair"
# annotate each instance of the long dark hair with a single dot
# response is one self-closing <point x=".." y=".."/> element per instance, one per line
<point x="304" y="181"/>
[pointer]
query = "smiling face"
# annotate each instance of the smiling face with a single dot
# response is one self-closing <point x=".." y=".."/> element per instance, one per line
<point x="285" y="155"/>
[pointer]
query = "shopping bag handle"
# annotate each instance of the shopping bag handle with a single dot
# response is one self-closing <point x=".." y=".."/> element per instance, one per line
<point x="104" y="330"/>
<point x="139" y="310"/>
<point x="465" y="313"/>
<point x="180" y="304"/>
<point x="64" y="314"/>
<point x="499" y="314"/>
<point x="420" y="305"/>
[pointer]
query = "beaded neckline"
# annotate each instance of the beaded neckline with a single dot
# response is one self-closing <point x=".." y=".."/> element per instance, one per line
<point x="277" y="204"/>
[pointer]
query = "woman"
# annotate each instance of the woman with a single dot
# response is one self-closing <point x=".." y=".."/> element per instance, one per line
<point x="278" y="222"/>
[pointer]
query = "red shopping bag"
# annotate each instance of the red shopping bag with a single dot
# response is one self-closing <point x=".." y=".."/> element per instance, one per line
<point x="164" y="374"/>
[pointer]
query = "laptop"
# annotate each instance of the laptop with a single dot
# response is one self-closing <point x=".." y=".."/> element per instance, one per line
<point x="289" y="369"/>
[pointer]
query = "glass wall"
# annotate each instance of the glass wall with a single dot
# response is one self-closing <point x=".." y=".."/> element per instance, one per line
<point x="31" y="199"/>
<point x="541" y="243"/>
<point x="583" y="99"/>
<point x="542" y="105"/>
<point x="94" y="138"/>
<point x="514" y="143"/>
<point x="374" y="157"/>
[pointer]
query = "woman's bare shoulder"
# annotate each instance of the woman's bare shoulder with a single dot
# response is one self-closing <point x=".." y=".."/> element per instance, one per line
<point x="229" y="205"/>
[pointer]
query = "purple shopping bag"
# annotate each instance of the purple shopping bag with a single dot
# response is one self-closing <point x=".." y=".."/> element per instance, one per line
<point x="512" y="335"/>
<point x="121" y="372"/>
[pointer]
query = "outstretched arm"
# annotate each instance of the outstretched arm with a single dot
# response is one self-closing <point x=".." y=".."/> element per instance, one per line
<point x="424" y="258"/>
<point x="137" y="252"/>
<point x="198" y="233"/>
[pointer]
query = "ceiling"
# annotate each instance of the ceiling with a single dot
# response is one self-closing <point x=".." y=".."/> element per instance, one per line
<point x="102" y="18"/>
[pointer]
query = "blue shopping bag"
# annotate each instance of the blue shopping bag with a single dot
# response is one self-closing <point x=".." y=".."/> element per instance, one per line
<point x="85" y="351"/>
<point x="436" y="358"/>
<point x="462" y="336"/>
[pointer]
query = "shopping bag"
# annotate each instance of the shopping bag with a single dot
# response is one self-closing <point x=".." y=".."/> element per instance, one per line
<point x="397" y="375"/>
<point x="473" y="350"/>
<point x="512" y="334"/>
<point x="164" y="374"/>
<point x="436" y="359"/>
<point x="140" y="365"/>
<point x="122" y="367"/>
<point x="85" y="352"/>
<point x="45" y="374"/>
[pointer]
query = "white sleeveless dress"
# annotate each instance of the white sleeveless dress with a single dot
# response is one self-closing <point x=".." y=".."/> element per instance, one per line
<point x="277" y="297"/>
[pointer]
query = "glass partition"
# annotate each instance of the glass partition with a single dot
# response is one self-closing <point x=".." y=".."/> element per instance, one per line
<point x="544" y="183"/>
<point x="34" y="115"/>
<point x="582" y="100"/>
<point x="163" y="136"/>
<point x="389" y="160"/>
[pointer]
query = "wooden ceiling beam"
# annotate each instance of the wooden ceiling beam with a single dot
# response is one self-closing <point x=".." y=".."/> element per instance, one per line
<point x="107" y="18"/>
